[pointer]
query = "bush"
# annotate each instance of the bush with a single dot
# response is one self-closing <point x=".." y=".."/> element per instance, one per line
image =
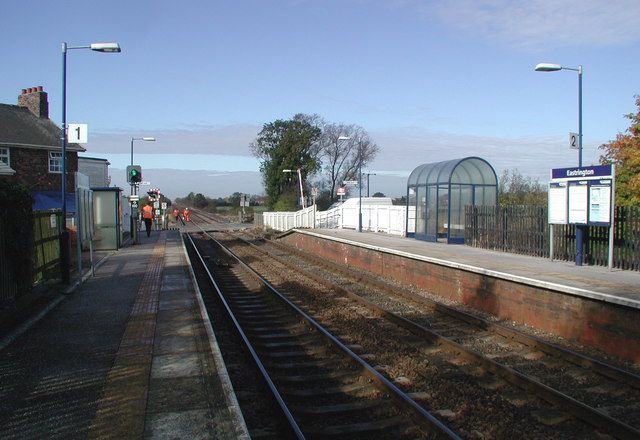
<point x="17" y="217"/>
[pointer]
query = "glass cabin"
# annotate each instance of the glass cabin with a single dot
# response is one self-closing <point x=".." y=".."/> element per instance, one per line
<point x="438" y="192"/>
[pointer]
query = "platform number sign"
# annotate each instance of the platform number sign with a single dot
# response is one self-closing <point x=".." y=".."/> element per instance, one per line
<point x="574" y="141"/>
<point x="77" y="133"/>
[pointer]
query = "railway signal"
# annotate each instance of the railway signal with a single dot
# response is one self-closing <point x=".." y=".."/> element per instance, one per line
<point x="134" y="173"/>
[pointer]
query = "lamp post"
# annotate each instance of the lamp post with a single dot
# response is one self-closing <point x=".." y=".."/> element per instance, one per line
<point x="548" y="67"/>
<point x="301" y="188"/>
<point x="64" y="236"/>
<point x="134" y="215"/>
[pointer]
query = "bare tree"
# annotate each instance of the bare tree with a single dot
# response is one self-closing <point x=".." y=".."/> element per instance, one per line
<point x="342" y="159"/>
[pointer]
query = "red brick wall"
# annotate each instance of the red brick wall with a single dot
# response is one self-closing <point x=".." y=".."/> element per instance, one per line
<point x="32" y="169"/>
<point x="612" y="328"/>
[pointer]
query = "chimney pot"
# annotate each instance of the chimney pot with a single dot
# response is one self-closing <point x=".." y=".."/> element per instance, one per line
<point x="36" y="100"/>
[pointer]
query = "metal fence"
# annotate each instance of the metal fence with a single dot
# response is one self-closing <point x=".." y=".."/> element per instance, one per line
<point x="524" y="230"/>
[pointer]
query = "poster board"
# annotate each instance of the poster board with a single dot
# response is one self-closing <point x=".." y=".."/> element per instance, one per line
<point x="558" y="196"/>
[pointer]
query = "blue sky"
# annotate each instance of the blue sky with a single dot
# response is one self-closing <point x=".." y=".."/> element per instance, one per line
<point x="429" y="80"/>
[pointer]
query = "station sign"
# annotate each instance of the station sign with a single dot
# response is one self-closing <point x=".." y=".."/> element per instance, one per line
<point x="581" y="195"/>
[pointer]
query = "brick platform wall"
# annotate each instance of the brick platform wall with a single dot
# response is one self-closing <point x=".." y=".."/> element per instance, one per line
<point x="612" y="328"/>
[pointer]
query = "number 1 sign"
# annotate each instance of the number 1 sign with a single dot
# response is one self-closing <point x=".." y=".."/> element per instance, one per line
<point x="77" y="133"/>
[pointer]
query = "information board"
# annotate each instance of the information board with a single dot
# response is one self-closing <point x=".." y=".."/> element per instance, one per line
<point x="578" y="196"/>
<point x="600" y="202"/>
<point x="558" y="203"/>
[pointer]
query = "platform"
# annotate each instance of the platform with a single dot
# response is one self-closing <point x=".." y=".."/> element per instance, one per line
<point x="589" y="304"/>
<point x="597" y="282"/>
<point x="129" y="354"/>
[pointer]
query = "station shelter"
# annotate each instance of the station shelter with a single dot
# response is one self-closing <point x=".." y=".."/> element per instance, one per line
<point x="437" y="194"/>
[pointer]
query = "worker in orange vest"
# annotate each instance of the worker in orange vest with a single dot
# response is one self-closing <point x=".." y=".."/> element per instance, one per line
<point x="186" y="214"/>
<point x="147" y="216"/>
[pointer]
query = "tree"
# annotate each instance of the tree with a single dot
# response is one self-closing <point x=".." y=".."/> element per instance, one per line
<point x="286" y="144"/>
<point x="342" y="159"/>
<point x="624" y="152"/>
<point x="516" y="189"/>
<point x="378" y="194"/>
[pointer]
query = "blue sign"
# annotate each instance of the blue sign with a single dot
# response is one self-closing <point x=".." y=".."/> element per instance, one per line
<point x="598" y="171"/>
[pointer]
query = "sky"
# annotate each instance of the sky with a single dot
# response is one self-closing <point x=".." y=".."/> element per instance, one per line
<point x="428" y="80"/>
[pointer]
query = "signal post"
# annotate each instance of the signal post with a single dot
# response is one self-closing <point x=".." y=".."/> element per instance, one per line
<point x="134" y="177"/>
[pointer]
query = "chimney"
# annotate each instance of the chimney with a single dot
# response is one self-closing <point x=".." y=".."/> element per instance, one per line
<point x="35" y="99"/>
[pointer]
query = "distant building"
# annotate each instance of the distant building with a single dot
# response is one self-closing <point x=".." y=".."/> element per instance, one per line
<point x="30" y="151"/>
<point x="97" y="170"/>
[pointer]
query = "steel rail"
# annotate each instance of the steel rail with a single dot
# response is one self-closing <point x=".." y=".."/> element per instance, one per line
<point x="607" y="370"/>
<point x="422" y="415"/>
<point x="584" y="412"/>
<point x="272" y="387"/>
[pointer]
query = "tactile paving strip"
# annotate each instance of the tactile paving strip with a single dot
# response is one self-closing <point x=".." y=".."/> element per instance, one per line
<point x="121" y="409"/>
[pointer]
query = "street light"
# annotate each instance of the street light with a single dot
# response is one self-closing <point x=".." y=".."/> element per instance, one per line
<point x="134" y="214"/>
<point x="301" y="188"/>
<point x="64" y="236"/>
<point x="148" y="139"/>
<point x="548" y="67"/>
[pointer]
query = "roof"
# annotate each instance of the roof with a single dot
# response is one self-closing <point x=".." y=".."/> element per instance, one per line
<point x="93" y="158"/>
<point x="21" y="128"/>
<point x="468" y="170"/>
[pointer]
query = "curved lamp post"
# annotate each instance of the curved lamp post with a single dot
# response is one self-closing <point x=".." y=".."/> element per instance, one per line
<point x="64" y="236"/>
<point x="549" y="67"/>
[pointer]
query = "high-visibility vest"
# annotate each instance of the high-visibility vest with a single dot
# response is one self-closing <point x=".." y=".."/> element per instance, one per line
<point x="147" y="211"/>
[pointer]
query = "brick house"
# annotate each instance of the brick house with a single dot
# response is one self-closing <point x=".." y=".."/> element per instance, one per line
<point x="30" y="151"/>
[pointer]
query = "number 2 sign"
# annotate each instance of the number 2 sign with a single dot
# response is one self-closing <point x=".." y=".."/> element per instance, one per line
<point x="574" y="141"/>
<point x="77" y="133"/>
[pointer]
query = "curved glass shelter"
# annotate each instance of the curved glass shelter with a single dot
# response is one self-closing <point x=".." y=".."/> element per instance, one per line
<point x="438" y="192"/>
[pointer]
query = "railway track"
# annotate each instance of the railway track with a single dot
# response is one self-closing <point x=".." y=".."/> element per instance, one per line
<point x="323" y="389"/>
<point x="601" y="395"/>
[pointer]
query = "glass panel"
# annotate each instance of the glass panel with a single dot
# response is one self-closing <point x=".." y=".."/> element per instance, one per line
<point x="456" y="228"/>
<point x="443" y="210"/>
<point x="490" y="195"/>
<point x="432" y="210"/>
<point x="420" y="211"/>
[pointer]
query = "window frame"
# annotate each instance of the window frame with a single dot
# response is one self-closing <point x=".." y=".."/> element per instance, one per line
<point x="7" y="155"/>
<point x="55" y="157"/>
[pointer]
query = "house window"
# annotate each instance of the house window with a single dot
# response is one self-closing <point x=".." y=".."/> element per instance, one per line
<point x="4" y="156"/>
<point x="55" y="162"/>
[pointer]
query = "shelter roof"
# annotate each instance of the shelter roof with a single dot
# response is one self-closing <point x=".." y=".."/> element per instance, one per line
<point x="468" y="170"/>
